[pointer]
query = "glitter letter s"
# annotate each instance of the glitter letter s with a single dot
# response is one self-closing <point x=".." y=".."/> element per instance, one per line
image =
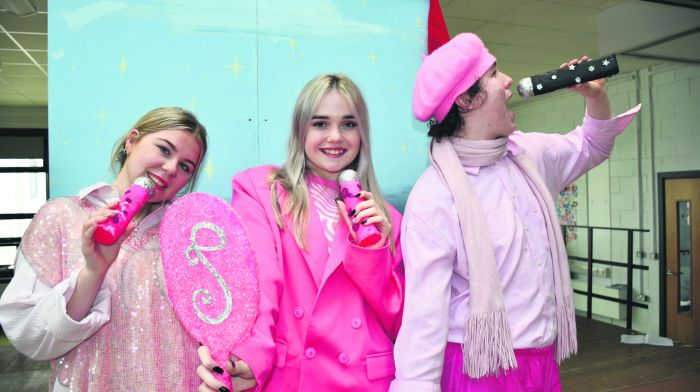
<point x="206" y="295"/>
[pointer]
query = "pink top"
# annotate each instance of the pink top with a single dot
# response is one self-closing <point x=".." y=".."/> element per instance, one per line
<point x="322" y="193"/>
<point x="327" y="319"/>
<point x="131" y="339"/>
<point x="436" y="266"/>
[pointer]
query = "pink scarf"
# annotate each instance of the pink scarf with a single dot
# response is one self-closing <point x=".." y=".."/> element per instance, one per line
<point x="487" y="345"/>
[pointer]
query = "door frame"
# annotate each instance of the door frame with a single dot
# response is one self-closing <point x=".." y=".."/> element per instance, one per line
<point x="661" y="186"/>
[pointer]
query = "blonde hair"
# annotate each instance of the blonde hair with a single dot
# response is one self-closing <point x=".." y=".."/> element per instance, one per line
<point x="159" y="120"/>
<point x="290" y="176"/>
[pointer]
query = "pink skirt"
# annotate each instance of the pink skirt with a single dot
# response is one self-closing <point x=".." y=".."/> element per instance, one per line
<point x="537" y="371"/>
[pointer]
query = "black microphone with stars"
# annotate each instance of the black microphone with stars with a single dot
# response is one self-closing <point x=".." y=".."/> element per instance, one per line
<point x="568" y="76"/>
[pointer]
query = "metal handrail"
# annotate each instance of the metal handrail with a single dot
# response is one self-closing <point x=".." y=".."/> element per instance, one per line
<point x="630" y="266"/>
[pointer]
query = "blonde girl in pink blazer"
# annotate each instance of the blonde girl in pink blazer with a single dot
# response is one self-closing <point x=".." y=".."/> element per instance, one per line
<point x="330" y="309"/>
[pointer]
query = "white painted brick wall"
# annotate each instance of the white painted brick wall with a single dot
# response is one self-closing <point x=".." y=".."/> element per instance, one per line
<point x="668" y="128"/>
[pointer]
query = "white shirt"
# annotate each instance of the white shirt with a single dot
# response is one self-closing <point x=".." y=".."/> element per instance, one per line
<point x="33" y="315"/>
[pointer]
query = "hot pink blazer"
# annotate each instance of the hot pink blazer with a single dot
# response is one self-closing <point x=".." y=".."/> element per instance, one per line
<point x="327" y="322"/>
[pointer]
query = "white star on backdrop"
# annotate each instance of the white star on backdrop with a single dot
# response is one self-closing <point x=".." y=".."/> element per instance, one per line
<point x="591" y="68"/>
<point x="578" y="80"/>
<point x="572" y="67"/>
<point x="606" y="62"/>
<point x="539" y="86"/>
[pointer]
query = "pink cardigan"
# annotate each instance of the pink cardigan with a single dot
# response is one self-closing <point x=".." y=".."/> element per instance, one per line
<point x="336" y="336"/>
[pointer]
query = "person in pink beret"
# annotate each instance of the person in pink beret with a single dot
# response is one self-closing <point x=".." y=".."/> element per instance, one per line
<point x="488" y="304"/>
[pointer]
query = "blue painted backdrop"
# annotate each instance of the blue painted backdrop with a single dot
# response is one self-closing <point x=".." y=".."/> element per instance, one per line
<point x="239" y="66"/>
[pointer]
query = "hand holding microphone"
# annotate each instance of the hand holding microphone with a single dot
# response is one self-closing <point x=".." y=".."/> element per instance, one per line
<point x="131" y="202"/>
<point x="570" y="75"/>
<point x="367" y="234"/>
<point x="103" y="230"/>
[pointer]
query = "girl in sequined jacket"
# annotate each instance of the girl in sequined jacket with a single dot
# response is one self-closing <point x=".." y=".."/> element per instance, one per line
<point x="330" y="309"/>
<point x="100" y="313"/>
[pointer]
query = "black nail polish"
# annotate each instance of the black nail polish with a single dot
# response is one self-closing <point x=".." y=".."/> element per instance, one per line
<point x="364" y="222"/>
<point x="358" y="194"/>
<point x="217" y="369"/>
<point x="223" y="389"/>
<point x="337" y="199"/>
<point x="233" y="364"/>
<point x="352" y="213"/>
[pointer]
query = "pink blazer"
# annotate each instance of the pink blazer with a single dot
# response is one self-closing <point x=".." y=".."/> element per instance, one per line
<point x="327" y="322"/>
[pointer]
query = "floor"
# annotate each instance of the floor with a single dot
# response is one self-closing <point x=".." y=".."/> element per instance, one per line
<point x="605" y="364"/>
<point x="19" y="373"/>
<point x="602" y="364"/>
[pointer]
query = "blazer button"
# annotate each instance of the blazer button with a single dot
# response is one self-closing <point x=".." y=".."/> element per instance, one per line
<point x="298" y="312"/>
<point x="310" y="352"/>
<point x="356" y="323"/>
<point x="344" y="358"/>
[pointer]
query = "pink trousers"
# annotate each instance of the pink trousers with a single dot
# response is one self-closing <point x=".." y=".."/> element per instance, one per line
<point x="537" y="371"/>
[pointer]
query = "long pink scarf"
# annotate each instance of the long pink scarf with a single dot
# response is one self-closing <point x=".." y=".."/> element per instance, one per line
<point x="487" y="344"/>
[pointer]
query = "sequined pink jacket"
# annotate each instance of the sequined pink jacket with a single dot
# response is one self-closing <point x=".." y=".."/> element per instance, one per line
<point x="337" y="336"/>
<point x="142" y="346"/>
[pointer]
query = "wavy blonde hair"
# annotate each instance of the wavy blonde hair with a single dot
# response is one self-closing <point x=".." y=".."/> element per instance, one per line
<point x="290" y="176"/>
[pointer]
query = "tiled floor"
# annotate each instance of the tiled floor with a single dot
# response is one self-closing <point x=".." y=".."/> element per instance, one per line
<point x="602" y="364"/>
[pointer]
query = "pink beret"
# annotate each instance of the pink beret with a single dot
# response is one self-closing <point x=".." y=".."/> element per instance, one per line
<point x="448" y="72"/>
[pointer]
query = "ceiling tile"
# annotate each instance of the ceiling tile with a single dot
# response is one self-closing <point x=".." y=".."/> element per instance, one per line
<point x="544" y="58"/>
<point x="31" y="41"/>
<point x="10" y="70"/>
<point x="40" y="56"/>
<point x="503" y="33"/>
<point x="15" y="100"/>
<point x="479" y="9"/>
<point x="17" y="56"/>
<point x="13" y="56"/>
<point x="38" y="99"/>
<point x="459" y="25"/>
<point x="546" y="14"/>
<point x="32" y="24"/>
<point x="519" y="70"/>
<point x="11" y="97"/>
<point x="586" y="44"/>
<point x="30" y="85"/>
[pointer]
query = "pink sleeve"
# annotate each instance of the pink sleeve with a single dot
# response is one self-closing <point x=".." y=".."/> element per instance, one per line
<point x="428" y="241"/>
<point x="379" y="276"/>
<point x="259" y="350"/>
<point x="561" y="159"/>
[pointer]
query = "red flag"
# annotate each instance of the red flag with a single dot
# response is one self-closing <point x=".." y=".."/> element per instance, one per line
<point x="437" y="30"/>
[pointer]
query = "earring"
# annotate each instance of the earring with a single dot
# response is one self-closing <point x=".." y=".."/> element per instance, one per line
<point x="122" y="154"/>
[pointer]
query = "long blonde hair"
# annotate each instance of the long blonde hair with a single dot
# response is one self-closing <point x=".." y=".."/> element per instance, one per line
<point x="161" y="119"/>
<point x="290" y="176"/>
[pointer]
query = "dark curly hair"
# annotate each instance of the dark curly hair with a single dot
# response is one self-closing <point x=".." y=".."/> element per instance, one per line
<point x="453" y="121"/>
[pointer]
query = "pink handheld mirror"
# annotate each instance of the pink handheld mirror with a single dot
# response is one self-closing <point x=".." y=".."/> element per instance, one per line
<point x="210" y="272"/>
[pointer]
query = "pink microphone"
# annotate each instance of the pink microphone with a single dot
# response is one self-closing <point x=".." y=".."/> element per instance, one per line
<point x="130" y="203"/>
<point x="349" y="190"/>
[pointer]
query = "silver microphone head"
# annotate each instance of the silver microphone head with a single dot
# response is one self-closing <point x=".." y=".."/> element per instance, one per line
<point x="525" y="88"/>
<point x="348" y="175"/>
<point x="146" y="183"/>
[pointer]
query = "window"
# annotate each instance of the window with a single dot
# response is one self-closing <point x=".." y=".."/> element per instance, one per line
<point x="24" y="175"/>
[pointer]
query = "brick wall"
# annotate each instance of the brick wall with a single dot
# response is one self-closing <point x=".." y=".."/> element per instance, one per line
<point x="621" y="192"/>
